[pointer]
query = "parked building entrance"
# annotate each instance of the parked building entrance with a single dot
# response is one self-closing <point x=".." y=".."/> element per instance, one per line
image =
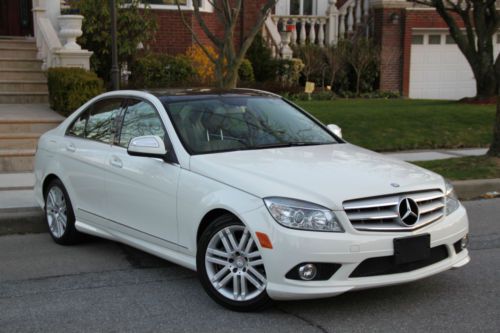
<point x="16" y="18"/>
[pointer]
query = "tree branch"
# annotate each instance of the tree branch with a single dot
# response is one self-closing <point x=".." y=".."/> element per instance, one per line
<point x="196" y="39"/>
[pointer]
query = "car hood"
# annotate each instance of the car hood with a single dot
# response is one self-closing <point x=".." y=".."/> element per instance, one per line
<point x="326" y="175"/>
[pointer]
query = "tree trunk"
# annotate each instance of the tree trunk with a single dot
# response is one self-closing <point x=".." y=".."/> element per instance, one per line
<point x="495" y="144"/>
<point x="231" y="78"/>
<point x="486" y="83"/>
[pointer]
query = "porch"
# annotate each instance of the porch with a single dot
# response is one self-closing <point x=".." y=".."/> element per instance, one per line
<point x="323" y="23"/>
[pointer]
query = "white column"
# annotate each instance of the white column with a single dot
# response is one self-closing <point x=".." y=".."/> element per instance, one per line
<point x="358" y="12"/>
<point x="321" y="32"/>
<point x="294" y="32"/>
<point x="332" y="28"/>
<point x="366" y="4"/>
<point x="303" y="35"/>
<point x="312" y="31"/>
<point x="350" y="18"/>
<point x="342" y="25"/>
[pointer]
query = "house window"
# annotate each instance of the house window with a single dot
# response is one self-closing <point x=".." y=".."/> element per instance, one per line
<point x="301" y="7"/>
<point x="450" y="40"/>
<point x="434" y="39"/>
<point x="417" y="39"/>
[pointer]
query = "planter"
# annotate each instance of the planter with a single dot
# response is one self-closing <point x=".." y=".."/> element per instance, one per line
<point x="71" y="29"/>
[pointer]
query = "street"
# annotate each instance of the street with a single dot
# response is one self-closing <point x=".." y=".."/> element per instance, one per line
<point x="104" y="286"/>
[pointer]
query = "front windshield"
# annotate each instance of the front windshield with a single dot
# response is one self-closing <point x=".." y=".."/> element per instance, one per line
<point x="228" y="123"/>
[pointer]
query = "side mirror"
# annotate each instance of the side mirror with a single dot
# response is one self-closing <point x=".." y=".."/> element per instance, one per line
<point x="335" y="130"/>
<point x="147" y="146"/>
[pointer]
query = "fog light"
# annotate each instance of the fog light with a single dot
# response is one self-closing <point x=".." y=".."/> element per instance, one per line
<point x="464" y="242"/>
<point x="307" y="272"/>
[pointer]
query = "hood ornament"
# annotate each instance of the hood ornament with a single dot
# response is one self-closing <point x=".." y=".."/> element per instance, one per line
<point x="394" y="184"/>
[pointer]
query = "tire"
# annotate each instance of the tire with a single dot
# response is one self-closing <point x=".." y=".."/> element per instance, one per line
<point x="59" y="214"/>
<point x="220" y="262"/>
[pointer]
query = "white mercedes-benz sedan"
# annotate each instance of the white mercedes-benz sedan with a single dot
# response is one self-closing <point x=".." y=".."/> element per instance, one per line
<point x="252" y="192"/>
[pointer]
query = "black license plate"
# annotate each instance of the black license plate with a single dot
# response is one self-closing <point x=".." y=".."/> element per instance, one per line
<point x="412" y="248"/>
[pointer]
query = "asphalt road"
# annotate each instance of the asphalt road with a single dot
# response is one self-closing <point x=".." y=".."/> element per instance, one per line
<point x="104" y="286"/>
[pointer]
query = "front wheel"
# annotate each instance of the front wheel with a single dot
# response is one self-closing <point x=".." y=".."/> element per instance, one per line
<point x="230" y="266"/>
<point x="59" y="214"/>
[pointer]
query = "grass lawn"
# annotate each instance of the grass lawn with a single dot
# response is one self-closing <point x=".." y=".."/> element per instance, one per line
<point x="400" y="124"/>
<point x="480" y="167"/>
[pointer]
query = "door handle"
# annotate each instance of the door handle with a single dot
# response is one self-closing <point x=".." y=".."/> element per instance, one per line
<point x="70" y="147"/>
<point x="116" y="162"/>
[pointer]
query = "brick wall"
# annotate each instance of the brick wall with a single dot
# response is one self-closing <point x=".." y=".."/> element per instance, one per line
<point x="389" y="36"/>
<point x="173" y="37"/>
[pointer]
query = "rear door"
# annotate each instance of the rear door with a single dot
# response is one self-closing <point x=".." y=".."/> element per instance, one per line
<point x="142" y="191"/>
<point x="86" y="147"/>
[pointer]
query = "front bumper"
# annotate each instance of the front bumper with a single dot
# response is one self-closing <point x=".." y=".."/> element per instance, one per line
<point x="292" y="247"/>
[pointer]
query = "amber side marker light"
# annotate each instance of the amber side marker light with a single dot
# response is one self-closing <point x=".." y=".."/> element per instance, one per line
<point x="264" y="240"/>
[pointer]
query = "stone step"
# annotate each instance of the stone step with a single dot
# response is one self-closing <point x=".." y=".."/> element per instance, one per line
<point x="14" y="63"/>
<point x="19" y="140"/>
<point x="23" y="74"/>
<point x="24" y="97"/>
<point x="19" y="53"/>
<point x="33" y="127"/>
<point x="16" y="181"/>
<point x="23" y="86"/>
<point x="16" y="160"/>
<point x="17" y="43"/>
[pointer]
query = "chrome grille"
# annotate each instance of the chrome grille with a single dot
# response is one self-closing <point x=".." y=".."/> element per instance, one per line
<point x="381" y="213"/>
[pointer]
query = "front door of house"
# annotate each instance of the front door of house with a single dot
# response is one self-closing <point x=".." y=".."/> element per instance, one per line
<point x="16" y="18"/>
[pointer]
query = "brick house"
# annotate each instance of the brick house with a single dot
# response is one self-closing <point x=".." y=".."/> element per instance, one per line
<point x="419" y="58"/>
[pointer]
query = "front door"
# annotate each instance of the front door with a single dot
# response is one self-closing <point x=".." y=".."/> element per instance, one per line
<point x="142" y="191"/>
<point x="16" y="18"/>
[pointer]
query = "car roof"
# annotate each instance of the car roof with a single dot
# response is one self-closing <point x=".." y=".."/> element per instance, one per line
<point x="175" y="95"/>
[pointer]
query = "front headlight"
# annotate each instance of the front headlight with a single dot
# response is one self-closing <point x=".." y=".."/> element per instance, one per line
<point x="451" y="199"/>
<point x="302" y="215"/>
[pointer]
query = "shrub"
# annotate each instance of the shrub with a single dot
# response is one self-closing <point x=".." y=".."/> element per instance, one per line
<point x="204" y="68"/>
<point x="287" y="72"/>
<point x="245" y="72"/>
<point x="161" y="71"/>
<point x="69" y="88"/>
<point x="262" y="60"/>
<point x="135" y="24"/>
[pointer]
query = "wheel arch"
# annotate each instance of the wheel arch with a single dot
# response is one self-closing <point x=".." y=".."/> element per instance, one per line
<point x="209" y="217"/>
<point x="49" y="178"/>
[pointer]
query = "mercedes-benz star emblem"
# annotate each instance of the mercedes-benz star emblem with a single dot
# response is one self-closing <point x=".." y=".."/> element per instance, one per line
<point x="408" y="212"/>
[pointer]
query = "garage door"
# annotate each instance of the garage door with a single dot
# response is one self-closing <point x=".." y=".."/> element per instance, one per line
<point x="438" y="70"/>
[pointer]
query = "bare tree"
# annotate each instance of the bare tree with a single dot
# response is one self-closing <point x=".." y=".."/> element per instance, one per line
<point x="360" y="55"/>
<point x="229" y="56"/>
<point x="336" y="58"/>
<point x="313" y="58"/>
<point x="481" y="21"/>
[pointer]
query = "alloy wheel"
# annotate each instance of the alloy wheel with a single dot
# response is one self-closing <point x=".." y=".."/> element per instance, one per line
<point x="56" y="212"/>
<point x="234" y="264"/>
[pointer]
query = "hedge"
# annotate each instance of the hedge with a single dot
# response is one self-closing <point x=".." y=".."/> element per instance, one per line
<point x="160" y="71"/>
<point x="69" y="88"/>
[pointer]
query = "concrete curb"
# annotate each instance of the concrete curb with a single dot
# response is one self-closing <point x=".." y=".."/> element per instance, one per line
<point x="476" y="188"/>
<point x="31" y="220"/>
<point x="22" y="221"/>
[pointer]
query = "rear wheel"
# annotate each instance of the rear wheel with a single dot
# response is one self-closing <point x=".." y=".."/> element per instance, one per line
<point x="59" y="214"/>
<point x="230" y="266"/>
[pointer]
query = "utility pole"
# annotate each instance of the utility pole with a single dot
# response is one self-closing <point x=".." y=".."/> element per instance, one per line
<point x="115" y="75"/>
